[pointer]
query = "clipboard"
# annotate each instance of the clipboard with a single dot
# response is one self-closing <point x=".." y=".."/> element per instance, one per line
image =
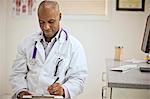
<point x="42" y="97"/>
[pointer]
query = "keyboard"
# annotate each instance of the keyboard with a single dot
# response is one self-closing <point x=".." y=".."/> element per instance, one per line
<point x="145" y="69"/>
<point x="123" y="68"/>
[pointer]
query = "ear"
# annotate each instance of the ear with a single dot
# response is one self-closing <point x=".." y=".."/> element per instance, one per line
<point x="59" y="16"/>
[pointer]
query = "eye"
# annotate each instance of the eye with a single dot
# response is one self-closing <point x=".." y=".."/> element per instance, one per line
<point x="41" y="22"/>
<point x="51" y="21"/>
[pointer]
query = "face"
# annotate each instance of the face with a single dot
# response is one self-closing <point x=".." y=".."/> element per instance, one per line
<point x="49" y="21"/>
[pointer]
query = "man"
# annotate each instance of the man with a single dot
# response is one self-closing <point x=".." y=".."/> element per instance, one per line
<point x="50" y="62"/>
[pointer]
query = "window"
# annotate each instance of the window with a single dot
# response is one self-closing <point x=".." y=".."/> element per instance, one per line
<point x="84" y="7"/>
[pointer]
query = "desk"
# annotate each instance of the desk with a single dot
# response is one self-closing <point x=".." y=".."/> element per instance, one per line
<point x="130" y="79"/>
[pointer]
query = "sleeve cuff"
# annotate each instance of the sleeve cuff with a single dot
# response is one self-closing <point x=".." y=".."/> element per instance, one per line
<point x="24" y="89"/>
<point x="66" y="92"/>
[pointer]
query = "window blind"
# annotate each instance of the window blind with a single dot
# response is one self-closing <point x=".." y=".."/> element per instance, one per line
<point x="83" y="7"/>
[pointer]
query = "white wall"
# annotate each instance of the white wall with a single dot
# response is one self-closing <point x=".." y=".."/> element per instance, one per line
<point x="2" y="44"/>
<point x="98" y="38"/>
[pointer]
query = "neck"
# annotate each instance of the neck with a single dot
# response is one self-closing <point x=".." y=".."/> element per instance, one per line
<point x="48" y="39"/>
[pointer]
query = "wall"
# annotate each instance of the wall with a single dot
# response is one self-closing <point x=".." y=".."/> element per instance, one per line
<point x="2" y="44"/>
<point x="1" y="33"/>
<point x="98" y="38"/>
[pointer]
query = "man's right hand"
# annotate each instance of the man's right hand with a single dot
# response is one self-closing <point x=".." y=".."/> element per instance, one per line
<point x="22" y="93"/>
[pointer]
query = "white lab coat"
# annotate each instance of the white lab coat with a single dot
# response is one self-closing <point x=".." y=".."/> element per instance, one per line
<point x="72" y="71"/>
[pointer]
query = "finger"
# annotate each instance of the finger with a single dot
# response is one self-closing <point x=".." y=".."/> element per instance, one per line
<point x="50" y="88"/>
<point x="59" y="92"/>
<point x="24" y="93"/>
<point x="27" y="93"/>
<point x="54" y="87"/>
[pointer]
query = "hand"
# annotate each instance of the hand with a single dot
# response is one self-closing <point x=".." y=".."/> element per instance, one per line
<point x="22" y="93"/>
<point x="56" y="89"/>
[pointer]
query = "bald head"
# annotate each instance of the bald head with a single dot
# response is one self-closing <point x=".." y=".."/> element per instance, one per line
<point x="46" y="4"/>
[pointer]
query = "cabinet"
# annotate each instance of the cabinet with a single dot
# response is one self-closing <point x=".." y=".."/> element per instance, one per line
<point x="133" y="79"/>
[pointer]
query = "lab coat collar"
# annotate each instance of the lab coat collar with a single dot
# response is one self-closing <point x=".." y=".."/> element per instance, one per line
<point x="59" y="42"/>
<point x="57" y="35"/>
<point x="61" y="39"/>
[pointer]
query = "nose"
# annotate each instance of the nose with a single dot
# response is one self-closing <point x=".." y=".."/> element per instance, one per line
<point x="46" y="26"/>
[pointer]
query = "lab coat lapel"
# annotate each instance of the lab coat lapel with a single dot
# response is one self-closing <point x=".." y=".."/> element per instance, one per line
<point x="41" y="51"/>
<point x="53" y="51"/>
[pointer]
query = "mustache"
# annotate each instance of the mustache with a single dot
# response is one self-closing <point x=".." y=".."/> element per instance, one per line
<point x="47" y="31"/>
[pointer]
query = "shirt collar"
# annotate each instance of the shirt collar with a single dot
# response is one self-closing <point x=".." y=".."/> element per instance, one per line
<point x="57" y="36"/>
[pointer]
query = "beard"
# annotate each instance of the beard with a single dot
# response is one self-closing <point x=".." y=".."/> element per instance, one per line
<point x="48" y="34"/>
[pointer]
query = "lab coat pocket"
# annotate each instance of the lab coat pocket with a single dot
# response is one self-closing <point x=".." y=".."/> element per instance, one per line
<point x="67" y="65"/>
<point x="64" y="67"/>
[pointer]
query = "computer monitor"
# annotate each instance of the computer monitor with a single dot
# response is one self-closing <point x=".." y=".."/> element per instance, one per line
<point x="146" y="38"/>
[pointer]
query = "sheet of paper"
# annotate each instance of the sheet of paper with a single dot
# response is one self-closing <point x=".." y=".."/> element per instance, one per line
<point x="133" y="60"/>
<point x="123" y="68"/>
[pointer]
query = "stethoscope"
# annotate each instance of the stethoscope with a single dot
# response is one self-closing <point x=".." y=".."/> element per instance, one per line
<point x="33" y="60"/>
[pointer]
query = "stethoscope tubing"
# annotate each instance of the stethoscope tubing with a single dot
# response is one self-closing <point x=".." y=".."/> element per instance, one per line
<point x="35" y="49"/>
<point x="33" y="61"/>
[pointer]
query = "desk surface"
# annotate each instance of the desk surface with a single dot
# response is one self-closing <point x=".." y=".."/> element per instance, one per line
<point x="130" y="79"/>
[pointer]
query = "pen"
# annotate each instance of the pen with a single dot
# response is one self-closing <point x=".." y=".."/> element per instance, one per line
<point x="56" y="80"/>
<point x="49" y="89"/>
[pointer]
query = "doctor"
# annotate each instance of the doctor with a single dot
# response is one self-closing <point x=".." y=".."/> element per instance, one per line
<point x="50" y="62"/>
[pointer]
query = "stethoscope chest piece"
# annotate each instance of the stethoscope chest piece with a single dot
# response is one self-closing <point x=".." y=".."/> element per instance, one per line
<point x="32" y="62"/>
